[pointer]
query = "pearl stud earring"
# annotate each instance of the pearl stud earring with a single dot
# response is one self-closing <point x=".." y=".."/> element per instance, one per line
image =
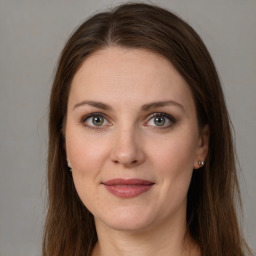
<point x="200" y="163"/>
<point x="69" y="166"/>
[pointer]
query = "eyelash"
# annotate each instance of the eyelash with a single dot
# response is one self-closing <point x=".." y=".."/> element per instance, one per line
<point x="95" y="114"/>
<point x="170" y="118"/>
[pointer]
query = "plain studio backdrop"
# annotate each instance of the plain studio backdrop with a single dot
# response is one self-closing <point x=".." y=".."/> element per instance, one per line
<point x="32" y="34"/>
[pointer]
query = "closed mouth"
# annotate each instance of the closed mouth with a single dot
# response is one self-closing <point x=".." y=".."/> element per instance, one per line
<point x="128" y="188"/>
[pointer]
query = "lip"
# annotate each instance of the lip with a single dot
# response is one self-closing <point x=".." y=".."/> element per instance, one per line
<point x="128" y="188"/>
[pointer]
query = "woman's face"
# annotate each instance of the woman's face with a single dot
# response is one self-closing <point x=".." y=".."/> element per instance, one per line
<point x="132" y="139"/>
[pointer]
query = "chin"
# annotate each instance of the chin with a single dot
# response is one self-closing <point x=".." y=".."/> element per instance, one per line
<point x="128" y="226"/>
<point x="127" y="220"/>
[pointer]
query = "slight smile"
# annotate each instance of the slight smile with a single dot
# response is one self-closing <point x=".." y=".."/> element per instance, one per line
<point x="127" y="188"/>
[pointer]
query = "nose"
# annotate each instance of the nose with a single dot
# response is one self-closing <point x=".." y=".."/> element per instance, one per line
<point x="127" y="149"/>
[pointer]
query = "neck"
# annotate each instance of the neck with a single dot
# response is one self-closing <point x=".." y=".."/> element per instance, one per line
<point x="163" y="240"/>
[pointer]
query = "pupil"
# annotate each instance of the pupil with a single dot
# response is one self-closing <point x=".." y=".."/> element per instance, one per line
<point x="97" y="120"/>
<point x="159" y="121"/>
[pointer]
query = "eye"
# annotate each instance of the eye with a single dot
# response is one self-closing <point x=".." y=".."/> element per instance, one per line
<point x="161" y="120"/>
<point x="95" y="120"/>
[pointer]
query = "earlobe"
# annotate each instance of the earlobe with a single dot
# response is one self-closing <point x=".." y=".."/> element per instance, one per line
<point x="203" y="146"/>
<point x="68" y="163"/>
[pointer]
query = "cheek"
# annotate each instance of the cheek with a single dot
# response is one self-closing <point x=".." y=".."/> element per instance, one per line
<point x="175" y="153"/>
<point x="85" y="153"/>
<point x="174" y="164"/>
<point x="87" y="158"/>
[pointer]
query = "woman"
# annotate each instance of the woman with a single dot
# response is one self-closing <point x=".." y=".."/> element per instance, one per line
<point x="141" y="160"/>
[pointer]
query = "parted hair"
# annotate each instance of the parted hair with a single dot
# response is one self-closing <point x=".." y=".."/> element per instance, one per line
<point x="213" y="194"/>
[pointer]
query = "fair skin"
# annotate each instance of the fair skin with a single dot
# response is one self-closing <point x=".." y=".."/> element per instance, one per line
<point x="132" y="116"/>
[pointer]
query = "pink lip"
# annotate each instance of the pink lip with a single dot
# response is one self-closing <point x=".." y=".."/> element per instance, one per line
<point x="127" y="188"/>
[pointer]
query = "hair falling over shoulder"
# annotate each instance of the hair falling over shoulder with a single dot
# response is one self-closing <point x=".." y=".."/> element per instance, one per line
<point x="213" y="195"/>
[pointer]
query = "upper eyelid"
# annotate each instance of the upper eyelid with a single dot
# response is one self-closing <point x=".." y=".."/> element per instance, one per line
<point x="160" y="114"/>
<point x="95" y="114"/>
<point x="148" y="117"/>
<point x="171" y="117"/>
<point x="151" y="114"/>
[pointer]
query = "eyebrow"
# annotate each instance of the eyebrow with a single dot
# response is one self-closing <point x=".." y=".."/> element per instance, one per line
<point x="158" y="104"/>
<point x="145" y="107"/>
<point x="95" y="104"/>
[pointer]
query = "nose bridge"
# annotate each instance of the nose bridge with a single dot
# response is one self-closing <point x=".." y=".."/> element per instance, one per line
<point x="127" y="149"/>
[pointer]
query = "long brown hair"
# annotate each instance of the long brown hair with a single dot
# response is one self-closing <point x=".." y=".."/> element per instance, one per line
<point x="213" y="192"/>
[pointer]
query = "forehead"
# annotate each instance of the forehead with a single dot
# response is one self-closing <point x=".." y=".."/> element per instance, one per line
<point x="138" y="75"/>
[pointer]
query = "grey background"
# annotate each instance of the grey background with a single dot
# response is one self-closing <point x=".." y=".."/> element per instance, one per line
<point x="32" y="34"/>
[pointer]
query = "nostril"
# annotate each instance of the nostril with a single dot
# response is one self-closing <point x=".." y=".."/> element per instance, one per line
<point x="134" y="162"/>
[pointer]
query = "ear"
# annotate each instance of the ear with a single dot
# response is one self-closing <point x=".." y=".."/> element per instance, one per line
<point x="67" y="158"/>
<point x="68" y="163"/>
<point x="202" y="147"/>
